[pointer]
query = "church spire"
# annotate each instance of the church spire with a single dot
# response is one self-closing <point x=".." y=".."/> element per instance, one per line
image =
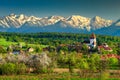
<point x="92" y="36"/>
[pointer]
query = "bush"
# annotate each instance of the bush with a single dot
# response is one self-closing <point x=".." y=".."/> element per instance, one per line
<point x="113" y="61"/>
<point x="8" y="69"/>
<point x="2" y="50"/>
<point x="11" y="68"/>
<point x="11" y="58"/>
<point x="104" y="75"/>
<point x="21" y="68"/>
<point x="41" y="70"/>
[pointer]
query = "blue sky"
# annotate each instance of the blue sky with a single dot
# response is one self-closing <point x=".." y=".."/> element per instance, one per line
<point x="108" y="9"/>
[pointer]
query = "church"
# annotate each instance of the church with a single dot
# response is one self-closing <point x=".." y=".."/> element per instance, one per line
<point x="92" y="40"/>
<point x="91" y="43"/>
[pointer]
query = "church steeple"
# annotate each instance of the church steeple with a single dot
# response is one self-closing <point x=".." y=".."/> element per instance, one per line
<point x="92" y="36"/>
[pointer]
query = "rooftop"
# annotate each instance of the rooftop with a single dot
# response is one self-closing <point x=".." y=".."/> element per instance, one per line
<point x="92" y="36"/>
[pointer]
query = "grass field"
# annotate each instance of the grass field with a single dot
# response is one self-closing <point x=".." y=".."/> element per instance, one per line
<point x="63" y="76"/>
<point x="5" y="44"/>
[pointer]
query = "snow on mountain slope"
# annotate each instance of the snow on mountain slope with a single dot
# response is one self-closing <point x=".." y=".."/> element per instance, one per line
<point x="44" y="21"/>
<point x="12" y="21"/>
<point x="74" y="21"/>
<point x="116" y="23"/>
<point x="113" y="29"/>
<point x="98" y="22"/>
<point x="79" y="21"/>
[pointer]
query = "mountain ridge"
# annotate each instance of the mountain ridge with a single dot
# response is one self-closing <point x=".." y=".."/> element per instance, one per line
<point x="17" y="21"/>
<point x="73" y="23"/>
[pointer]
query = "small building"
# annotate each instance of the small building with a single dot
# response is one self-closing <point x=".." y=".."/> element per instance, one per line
<point x="49" y="48"/>
<point x="30" y="49"/>
<point x="106" y="56"/>
<point x="18" y="52"/>
<point x="105" y="47"/>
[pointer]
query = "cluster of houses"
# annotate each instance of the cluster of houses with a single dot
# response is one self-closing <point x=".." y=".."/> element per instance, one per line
<point x="105" y="47"/>
<point x="90" y="43"/>
<point x="17" y="49"/>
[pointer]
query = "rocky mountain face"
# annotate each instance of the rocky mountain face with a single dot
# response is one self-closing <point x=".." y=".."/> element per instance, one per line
<point x="74" y="23"/>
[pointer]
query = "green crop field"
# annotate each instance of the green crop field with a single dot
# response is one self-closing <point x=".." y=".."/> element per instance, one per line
<point x="5" y="43"/>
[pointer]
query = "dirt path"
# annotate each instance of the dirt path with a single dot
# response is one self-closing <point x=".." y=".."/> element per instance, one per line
<point x="61" y="70"/>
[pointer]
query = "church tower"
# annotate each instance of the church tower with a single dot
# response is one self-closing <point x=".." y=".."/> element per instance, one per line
<point x="93" y="40"/>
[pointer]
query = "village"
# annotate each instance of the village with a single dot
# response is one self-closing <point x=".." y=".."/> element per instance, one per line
<point x="88" y="46"/>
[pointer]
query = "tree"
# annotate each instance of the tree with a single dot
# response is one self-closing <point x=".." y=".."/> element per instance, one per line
<point x="39" y="62"/>
<point x="83" y="64"/>
<point x="113" y="62"/>
<point x="94" y="61"/>
<point x="9" y="49"/>
<point x="85" y="48"/>
<point x="68" y="60"/>
<point x="2" y="50"/>
<point x="37" y="49"/>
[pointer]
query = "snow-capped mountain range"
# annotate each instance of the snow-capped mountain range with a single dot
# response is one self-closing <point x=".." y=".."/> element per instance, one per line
<point x="23" y="23"/>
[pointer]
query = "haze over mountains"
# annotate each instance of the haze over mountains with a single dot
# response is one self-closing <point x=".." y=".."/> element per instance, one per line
<point x="74" y="23"/>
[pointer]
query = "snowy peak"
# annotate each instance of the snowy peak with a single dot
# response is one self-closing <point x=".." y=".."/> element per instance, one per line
<point x="56" y="17"/>
<point x="12" y="15"/>
<point x="116" y="23"/>
<point x="78" y="21"/>
<point x="22" y="17"/>
<point x="98" y="22"/>
<point x="77" y="18"/>
<point x="97" y="17"/>
<point x="12" y="20"/>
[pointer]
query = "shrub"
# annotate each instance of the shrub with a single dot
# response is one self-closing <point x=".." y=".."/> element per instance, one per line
<point x="41" y="70"/>
<point x="8" y="69"/>
<point x="11" y="58"/>
<point x="2" y="50"/>
<point x="83" y="64"/>
<point x="37" y="49"/>
<point x="104" y="75"/>
<point x="113" y="61"/>
<point x="21" y="58"/>
<point x="21" y="68"/>
<point x="2" y="60"/>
